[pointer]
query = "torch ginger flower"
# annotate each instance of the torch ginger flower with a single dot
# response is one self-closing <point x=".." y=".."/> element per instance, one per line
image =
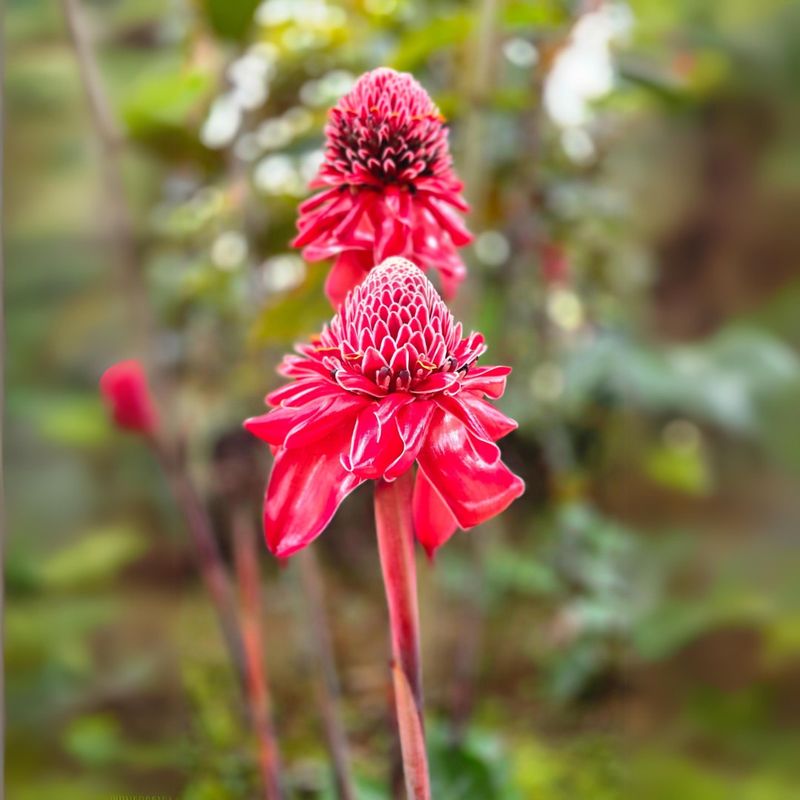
<point x="126" y="392"/>
<point x="389" y="187"/>
<point x="389" y="382"/>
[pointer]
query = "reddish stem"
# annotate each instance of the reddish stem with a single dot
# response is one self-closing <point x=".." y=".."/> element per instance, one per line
<point x="260" y="702"/>
<point x="209" y="559"/>
<point x="396" y="548"/>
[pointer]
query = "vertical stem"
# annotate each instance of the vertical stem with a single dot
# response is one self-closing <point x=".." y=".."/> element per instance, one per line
<point x="327" y="680"/>
<point x="121" y="229"/>
<point x="260" y="704"/>
<point x="209" y="558"/>
<point x="396" y="548"/>
<point x="478" y="91"/>
<point x="2" y="429"/>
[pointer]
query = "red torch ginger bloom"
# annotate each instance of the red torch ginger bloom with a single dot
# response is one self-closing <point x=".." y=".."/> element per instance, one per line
<point x="389" y="187"/>
<point x="127" y="395"/>
<point x="391" y="381"/>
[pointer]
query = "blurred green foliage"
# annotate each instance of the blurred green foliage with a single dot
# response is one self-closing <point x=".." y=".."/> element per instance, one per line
<point x="638" y="611"/>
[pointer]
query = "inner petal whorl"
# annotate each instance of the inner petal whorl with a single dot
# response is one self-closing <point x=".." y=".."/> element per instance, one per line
<point x="396" y="331"/>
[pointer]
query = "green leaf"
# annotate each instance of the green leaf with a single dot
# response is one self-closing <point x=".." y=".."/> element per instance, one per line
<point x="300" y="312"/>
<point x="95" y="557"/>
<point x="418" y="44"/>
<point x="94" y="740"/>
<point x="230" y="19"/>
<point x="164" y="100"/>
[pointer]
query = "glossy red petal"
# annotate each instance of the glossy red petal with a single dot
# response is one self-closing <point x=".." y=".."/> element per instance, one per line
<point x="490" y="381"/>
<point x="373" y="445"/>
<point x="473" y="488"/>
<point x="412" y="425"/>
<point x="305" y="488"/>
<point x="302" y="392"/>
<point x="434" y="523"/>
<point x="341" y="411"/>
<point x="275" y="426"/>
<point x="347" y="272"/>
<point x="482" y="419"/>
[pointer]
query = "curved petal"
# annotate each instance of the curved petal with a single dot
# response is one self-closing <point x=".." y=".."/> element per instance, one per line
<point x="274" y="426"/>
<point x="412" y="424"/>
<point x="358" y="383"/>
<point x="305" y="488"/>
<point x="341" y="411"/>
<point x="303" y="391"/>
<point x="491" y="381"/>
<point x="482" y="419"/>
<point x="434" y="523"/>
<point x="473" y="488"/>
<point x="449" y="220"/>
<point x="346" y="273"/>
<point x="437" y="382"/>
<point x="373" y="445"/>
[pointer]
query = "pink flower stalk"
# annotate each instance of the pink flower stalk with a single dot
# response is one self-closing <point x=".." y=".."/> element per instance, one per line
<point x="127" y="394"/>
<point x="390" y="382"/>
<point x="389" y="187"/>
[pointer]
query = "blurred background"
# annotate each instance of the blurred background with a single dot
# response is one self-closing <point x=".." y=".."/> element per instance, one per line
<point x="631" y="626"/>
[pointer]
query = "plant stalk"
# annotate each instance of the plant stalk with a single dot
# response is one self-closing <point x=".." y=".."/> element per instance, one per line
<point x="396" y="547"/>
<point x="207" y="554"/>
<point x="257" y="684"/>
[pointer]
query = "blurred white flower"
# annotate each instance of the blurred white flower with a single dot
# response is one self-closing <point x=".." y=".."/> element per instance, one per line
<point x="584" y="70"/>
<point x="229" y="250"/>
<point x="310" y="164"/>
<point x="222" y="122"/>
<point x="520" y="52"/>
<point x="492" y="248"/>
<point x="249" y="77"/>
<point x="274" y="133"/>
<point x="578" y="145"/>
<point x="278" y="175"/>
<point x="328" y="89"/>
<point x="282" y="272"/>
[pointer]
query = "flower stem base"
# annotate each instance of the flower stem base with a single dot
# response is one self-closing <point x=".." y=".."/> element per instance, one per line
<point x="396" y="547"/>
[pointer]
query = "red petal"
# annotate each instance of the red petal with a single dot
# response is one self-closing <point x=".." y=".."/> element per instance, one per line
<point x="484" y="420"/>
<point x="314" y="202"/>
<point x="449" y="220"/>
<point x="305" y="488"/>
<point x="473" y="488"/>
<point x="434" y="523"/>
<point x="302" y="392"/>
<point x="412" y="424"/>
<point x="373" y="446"/>
<point x="275" y="426"/>
<point x="437" y="382"/>
<point x="358" y="383"/>
<point x="347" y="272"/>
<point x="491" y="381"/>
<point x="340" y="412"/>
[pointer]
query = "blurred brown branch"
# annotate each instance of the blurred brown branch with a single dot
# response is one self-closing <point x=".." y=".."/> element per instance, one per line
<point x="122" y="231"/>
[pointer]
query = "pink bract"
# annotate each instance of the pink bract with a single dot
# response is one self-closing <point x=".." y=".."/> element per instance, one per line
<point x="126" y="393"/>
<point x="388" y="187"/>
<point x="389" y="382"/>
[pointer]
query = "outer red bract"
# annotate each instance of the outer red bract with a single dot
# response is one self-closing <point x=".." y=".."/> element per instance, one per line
<point x="391" y="381"/>
<point x="389" y="187"/>
<point x="127" y="395"/>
